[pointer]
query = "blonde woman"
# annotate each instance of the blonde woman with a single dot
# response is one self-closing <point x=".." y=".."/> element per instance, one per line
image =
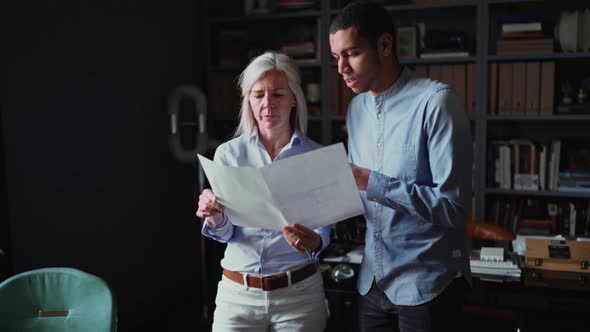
<point x="270" y="279"/>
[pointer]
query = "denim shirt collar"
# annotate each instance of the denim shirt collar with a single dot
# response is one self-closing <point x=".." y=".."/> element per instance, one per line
<point x="395" y="87"/>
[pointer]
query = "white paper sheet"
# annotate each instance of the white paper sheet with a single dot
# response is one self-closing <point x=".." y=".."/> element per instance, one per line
<point x="313" y="189"/>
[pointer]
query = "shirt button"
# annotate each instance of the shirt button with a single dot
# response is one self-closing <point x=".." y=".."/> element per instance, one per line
<point x="376" y="204"/>
<point x="379" y="145"/>
<point x="379" y="115"/>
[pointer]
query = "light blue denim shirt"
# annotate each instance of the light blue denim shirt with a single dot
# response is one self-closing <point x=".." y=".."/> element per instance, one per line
<point x="415" y="138"/>
<point x="258" y="250"/>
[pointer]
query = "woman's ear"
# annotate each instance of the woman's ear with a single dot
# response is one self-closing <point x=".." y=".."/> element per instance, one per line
<point x="385" y="44"/>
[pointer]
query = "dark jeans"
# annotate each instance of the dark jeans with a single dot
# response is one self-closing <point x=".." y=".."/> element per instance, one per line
<point x="443" y="313"/>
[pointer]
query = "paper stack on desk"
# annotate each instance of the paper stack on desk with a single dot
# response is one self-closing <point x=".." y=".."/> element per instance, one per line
<point x="489" y="263"/>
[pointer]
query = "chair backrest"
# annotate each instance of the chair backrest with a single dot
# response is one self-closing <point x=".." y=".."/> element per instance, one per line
<point x="484" y="231"/>
<point x="56" y="299"/>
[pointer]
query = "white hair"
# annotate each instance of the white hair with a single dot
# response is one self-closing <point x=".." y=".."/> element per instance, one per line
<point x="257" y="68"/>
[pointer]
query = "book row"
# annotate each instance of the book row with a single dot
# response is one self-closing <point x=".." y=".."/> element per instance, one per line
<point x="521" y="88"/>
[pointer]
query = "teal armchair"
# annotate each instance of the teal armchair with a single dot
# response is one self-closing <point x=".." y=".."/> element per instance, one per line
<point x="56" y="299"/>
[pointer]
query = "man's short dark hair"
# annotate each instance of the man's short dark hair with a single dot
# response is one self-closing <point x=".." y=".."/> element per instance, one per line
<point x="370" y="20"/>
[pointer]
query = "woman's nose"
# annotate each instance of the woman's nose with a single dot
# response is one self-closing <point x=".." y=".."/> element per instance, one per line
<point x="267" y="102"/>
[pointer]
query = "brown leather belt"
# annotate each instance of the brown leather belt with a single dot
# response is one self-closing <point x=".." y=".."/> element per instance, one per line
<point x="274" y="281"/>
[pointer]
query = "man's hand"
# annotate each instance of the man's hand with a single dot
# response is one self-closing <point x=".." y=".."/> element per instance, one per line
<point x="302" y="238"/>
<point x="361" y="176"/>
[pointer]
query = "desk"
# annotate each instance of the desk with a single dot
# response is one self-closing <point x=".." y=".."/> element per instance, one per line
<point x="489" y="306"/>
<point x="532" y="308"/>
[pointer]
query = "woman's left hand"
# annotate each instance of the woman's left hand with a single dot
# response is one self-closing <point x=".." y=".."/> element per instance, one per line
<point x="302" y="238"/>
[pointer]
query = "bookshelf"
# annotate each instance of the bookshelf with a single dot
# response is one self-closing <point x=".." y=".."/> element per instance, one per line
<point x="480" y="20"/>
<point x="541" y="128"/>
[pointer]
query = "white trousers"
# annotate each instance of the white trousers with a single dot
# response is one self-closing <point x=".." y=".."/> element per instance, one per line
<point x="299" y="307"/>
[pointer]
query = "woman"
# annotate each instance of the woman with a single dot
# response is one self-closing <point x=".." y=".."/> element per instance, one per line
<point x="270" y="278"/>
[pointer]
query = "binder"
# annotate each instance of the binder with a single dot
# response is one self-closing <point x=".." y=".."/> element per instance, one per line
<point x="335" y="91"/>
<point x="446" y="73"/>
<point x="471" y="89"/>
<point x="421" y="70"/>
<point x="459" y="83"/>
<point x="505" y="89"/>
<point x="493" y="89"/>
<point x="533" y="87"/>
<point x="435" y="72"/>
<point x="547" y="87"/>
<point x="518" y="88"/>
<point x="346" y="95"/>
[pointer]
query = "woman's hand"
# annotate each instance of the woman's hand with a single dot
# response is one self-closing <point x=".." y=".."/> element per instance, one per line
<point x="210" y="208"/>
<point x="302" y="238"/>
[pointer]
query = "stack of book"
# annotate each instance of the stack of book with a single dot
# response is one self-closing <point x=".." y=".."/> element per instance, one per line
<point x="523" y="35"/>
<point x="574" y="181"/>
<point x="303" y="49"/>
<point x="573" y="108"/>
<point x="493" y="268"/>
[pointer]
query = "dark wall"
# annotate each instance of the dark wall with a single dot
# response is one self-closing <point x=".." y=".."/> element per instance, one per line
<point x="90" y="180"/>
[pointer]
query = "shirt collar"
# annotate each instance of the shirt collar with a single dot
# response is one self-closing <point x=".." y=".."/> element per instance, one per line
<point x="296" y="138"/>
<point x="395" y="87"/>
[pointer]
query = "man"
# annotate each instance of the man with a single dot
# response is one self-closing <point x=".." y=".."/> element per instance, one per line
<point x="410" y="148"/>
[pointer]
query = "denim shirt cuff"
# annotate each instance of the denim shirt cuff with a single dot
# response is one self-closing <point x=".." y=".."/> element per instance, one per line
<point x="375" y="186"/>
<point x="314" y="255"/>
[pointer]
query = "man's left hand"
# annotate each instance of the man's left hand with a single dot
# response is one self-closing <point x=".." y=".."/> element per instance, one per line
<point x="361" y="176"/>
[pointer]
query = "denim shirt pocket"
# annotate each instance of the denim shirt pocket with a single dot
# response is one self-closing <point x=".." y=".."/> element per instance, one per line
<point x="404" y="161"/>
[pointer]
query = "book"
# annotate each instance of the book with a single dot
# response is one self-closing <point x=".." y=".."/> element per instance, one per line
<point x="443" y="54"/>
<point x="493" y="89"/>
<point x="471" y="86"/>
<point x="421" y="70"/>
<point x="547" y="88"/>
<point x="299" y="49"/>
<point x="520" y="27"/>
<point x="526" y="42"/>
<point x="522" y="35"/>
<point x="518" y="88"/>
<point x="459" y="78"/>
<point x="335" y="106"/>
<point x="505" y="88"/>
<point x="574" y="181"/>
<point x="571" y="109"/>
<point x="533" y="86"/>
<point x="516" y="46"/>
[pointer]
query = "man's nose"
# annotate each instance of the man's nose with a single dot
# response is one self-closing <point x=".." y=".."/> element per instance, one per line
<point x="342" y="66"/>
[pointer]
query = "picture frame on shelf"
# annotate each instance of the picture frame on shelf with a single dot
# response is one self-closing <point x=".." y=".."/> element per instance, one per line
<point x="406" y="42"/>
